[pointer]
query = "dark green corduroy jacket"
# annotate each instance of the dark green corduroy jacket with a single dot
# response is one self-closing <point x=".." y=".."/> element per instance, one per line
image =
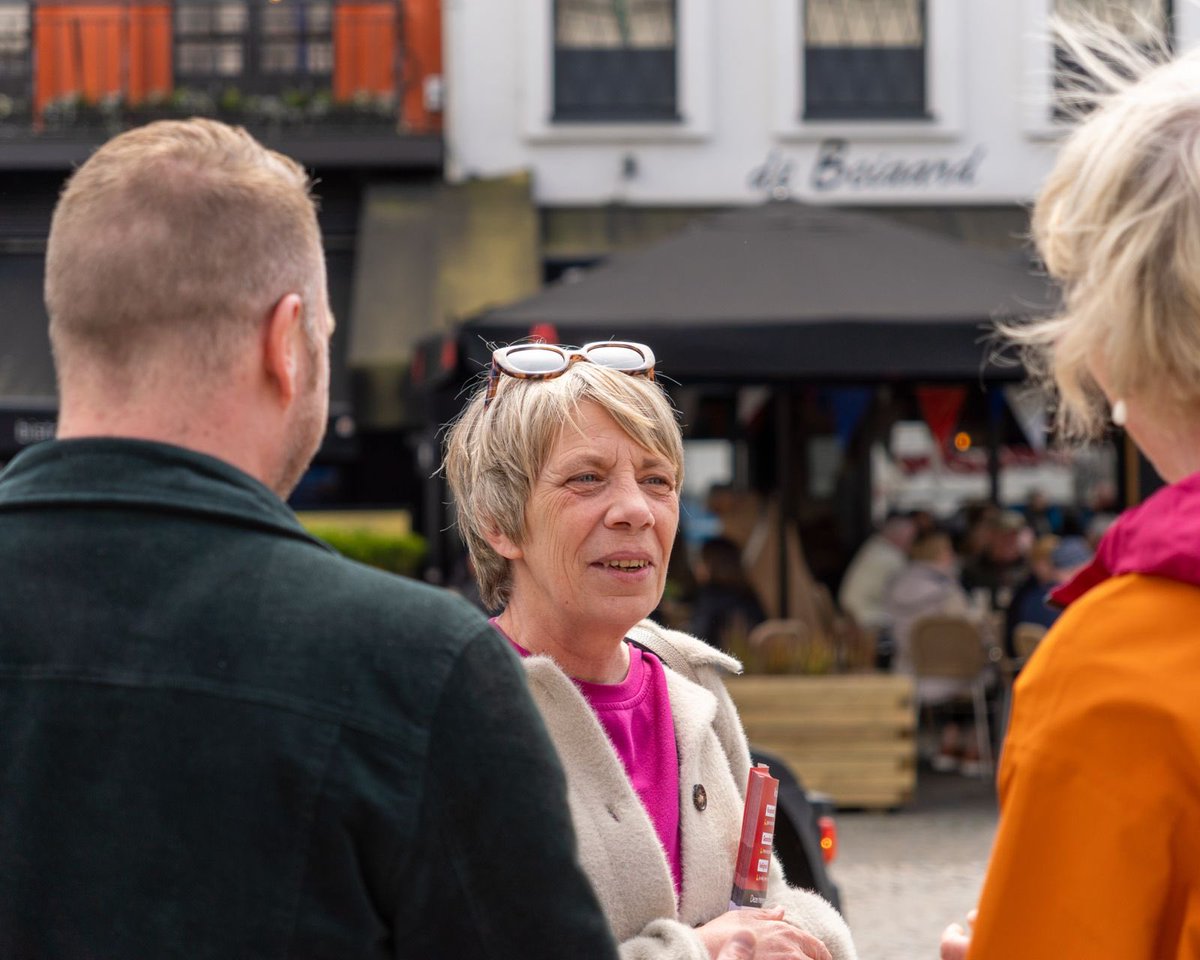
<point x="218" y="738"/>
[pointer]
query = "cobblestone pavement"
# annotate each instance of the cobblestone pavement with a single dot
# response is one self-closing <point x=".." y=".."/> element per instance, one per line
<point x="904" y="875"/>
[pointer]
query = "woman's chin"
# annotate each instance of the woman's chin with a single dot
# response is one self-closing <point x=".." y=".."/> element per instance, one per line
<point x="619" y="612"/>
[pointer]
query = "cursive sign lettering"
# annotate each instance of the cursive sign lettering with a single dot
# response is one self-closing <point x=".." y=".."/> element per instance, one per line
<point x="835" y="169"/>
<point x="773" y="177"/>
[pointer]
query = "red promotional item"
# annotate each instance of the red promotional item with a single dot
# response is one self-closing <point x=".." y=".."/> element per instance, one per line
<point x="758" y="833"/>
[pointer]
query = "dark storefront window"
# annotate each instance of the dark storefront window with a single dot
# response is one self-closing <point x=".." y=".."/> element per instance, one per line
<point x="864" y="59"/>
<point x="615" y="60"/>
<point x="255" y="46"/>
<point x="15" y="62"/>
<point x="1147" y="23"/>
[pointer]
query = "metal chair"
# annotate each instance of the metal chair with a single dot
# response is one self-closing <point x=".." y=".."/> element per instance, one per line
<point x="952" y="648"/>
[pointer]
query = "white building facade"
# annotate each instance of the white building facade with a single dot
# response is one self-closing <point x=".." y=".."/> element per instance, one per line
<point x="705" y="103"/>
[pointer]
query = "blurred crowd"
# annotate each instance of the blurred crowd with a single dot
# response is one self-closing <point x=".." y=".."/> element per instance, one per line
<point x="989" y="565"/>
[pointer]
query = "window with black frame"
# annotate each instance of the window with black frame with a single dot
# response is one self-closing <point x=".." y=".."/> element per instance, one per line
<point x="864" y="59"/>
<point x="615" y="60"/>
<point x="210" y="42"/>
<point x="16" y="63"/>
<point x="297" y="42"/>
<point x="253" y="46"/>
<point x="1148" y="24"/>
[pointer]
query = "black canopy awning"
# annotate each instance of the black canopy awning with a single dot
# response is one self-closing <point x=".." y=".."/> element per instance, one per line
<point x="785" y="291"/>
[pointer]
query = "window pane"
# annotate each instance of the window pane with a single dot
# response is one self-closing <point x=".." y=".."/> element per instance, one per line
<point x="229" y="18"/>
<point x="193" y="18"/>
<point x="613" y="24"/>
<point x="194" y="58"/>
<point x="281" y="21"/>
<point x="229" y="59"/>
<point x="1144" y="23"/>
<point x="280" y="58"/>
<point x="14" y="20"/>
<point x="320" y="58"/>
<point x="319" y="18"/>
<point x="864" y="59"/>
<point x="1141" y="21"/>
<point x="863" y="23"/>
<point x="208" y="58"/>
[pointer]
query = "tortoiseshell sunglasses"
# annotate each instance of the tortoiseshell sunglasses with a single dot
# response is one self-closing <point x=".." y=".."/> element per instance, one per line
<point x="545" y="361"/>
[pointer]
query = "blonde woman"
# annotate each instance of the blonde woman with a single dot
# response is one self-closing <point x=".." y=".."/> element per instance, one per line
<point x="1098" y="848"/>
<point x="565" y="471"/>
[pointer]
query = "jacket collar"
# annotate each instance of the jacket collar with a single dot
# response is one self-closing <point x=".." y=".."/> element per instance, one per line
<point x="1159" y="538"/>
<point x="681" y="651"/>
<point x="144" y="475"/>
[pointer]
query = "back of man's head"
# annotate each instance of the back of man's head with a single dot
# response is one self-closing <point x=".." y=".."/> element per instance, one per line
<point x="167" y="249"/>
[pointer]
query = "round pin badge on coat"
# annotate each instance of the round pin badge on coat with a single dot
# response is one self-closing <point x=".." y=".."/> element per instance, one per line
<point x="699" y="796"/>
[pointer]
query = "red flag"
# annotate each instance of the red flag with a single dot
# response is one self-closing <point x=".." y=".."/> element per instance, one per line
<point x="940" y="406"/>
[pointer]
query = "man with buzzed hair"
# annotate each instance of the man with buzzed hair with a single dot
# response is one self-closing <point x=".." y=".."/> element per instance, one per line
<point x="218" y="738"/>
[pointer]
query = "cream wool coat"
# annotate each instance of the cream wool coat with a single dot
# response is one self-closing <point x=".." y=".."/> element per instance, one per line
<point x="618" y="846"/>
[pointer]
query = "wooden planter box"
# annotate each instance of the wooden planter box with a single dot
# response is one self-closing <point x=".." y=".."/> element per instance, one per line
<point x="852" y="736"/>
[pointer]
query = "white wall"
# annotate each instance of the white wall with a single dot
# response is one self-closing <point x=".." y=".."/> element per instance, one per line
<point x="739" y="90"/>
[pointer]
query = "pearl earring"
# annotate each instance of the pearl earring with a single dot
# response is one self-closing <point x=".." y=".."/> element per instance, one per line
<point x="1119" y="413"/>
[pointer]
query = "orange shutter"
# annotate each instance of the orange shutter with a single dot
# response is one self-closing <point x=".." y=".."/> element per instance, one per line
<point x="423" y="60"/>
<point x="364" y="49"/>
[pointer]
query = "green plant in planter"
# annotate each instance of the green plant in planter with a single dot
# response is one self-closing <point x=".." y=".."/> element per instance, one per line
<point x="186" y="102"/>
<point x="231" y="101"/>
<point x="401" y="553"/>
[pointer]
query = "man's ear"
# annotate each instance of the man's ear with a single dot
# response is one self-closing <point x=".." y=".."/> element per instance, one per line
<point x="499" y="541"/>
<point x="283" y="344"/>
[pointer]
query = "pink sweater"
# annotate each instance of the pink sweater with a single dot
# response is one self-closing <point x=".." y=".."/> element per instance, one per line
<point x="636" y="715"/>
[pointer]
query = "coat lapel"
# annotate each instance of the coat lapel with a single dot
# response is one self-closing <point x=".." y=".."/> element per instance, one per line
<point x="618" y="845"/>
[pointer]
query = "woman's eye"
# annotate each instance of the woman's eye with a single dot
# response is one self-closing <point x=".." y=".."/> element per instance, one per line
<point x="658" y="481"/>
<point x="585" y="478"/>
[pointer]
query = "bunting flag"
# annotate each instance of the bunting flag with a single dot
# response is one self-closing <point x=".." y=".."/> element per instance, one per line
<point x="850" y="405"/>
<point x="940" y="408"/>
<point x="1029" y="407"/>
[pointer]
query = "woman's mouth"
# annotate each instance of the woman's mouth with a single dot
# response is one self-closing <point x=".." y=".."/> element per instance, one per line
<point x="626" y="564"/>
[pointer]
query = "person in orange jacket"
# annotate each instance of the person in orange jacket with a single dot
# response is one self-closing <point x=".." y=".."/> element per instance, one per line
<point x="1098" y="848"/>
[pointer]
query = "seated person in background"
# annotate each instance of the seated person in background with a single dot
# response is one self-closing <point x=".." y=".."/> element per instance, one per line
<point x="726" y="607"/>
<point x="1053" y="560"/>
<point x="1029" y="601"/>
<point x="1097" y="527"/>
<point x="1043" y="517"/>
<point x="1000" y="567"/>
<point x="881" y="558"/>
<point x="929" y="587"/>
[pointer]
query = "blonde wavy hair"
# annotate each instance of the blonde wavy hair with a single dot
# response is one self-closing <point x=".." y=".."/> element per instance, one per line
<point x="1118" y="224"/>
<point x="494" y="456"/>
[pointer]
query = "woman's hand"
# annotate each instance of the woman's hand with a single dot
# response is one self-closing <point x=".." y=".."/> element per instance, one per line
<point x="775" y="939"/>
<point x="956" y="940"/>
<point x="738" y="947"/>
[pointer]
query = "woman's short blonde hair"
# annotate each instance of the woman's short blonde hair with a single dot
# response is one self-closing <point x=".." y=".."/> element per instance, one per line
<point x="495" y="455"/>
<point x="1118" y="224"/>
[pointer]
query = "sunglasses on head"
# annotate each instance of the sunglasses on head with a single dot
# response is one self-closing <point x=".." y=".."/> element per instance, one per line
<point x="545" y="361"/>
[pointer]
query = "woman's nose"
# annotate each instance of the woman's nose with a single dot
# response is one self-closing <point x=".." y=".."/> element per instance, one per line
<point x="629" y="505"/>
